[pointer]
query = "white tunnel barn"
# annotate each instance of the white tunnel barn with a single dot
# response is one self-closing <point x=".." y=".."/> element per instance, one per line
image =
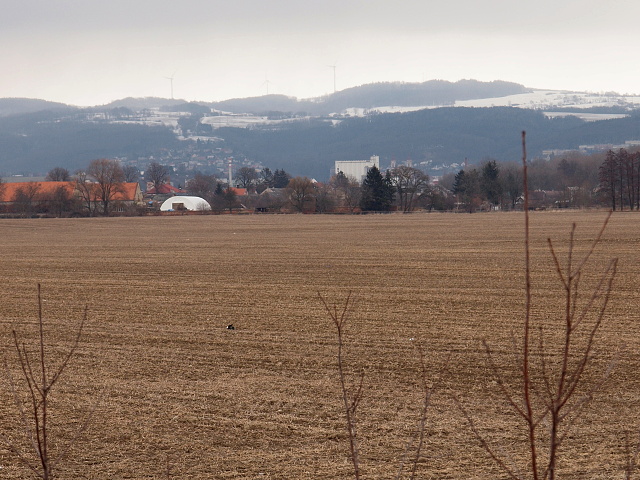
<point x="185" y="203"/>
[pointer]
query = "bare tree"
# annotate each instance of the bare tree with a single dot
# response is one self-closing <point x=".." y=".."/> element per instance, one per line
<point x="58" y="174"/>
<point x="265" y="179"/>
<point x="131" y="174"/>
<point x="348" y="190"/>
<point x="301" y="193"/>
<point x="202" y="185"/>
<point x="409" y="183"/>
<point x="60" y="200"/>
<point x="246" y="177"/>
<point x="511" y="180"/>
<point x="108" y="178"/>
<point x="325" y="197"/>
<point x="158" y="175"/>
<point x="25" y="198"/>
<point x="619" y="177"/>
<point x="86" y="191"/>
<point x="226" y="199"/>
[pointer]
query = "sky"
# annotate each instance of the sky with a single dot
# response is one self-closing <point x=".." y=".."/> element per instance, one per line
<point x="91" y="52"/>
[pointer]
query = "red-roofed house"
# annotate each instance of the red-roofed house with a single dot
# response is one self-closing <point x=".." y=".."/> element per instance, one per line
<point x="241" y="192"/>
<point x="61" y="197"/>
<point x="9" y="192"/>
<point x="129" y="193"/>
<point x="164" y="189"/>
<point x="28" y="198"/>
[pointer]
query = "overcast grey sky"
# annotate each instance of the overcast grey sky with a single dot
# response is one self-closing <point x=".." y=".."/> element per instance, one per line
<point x="89" y="52"/>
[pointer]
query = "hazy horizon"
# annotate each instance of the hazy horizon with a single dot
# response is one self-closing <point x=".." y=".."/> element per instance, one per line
<point x="91" y="53"/>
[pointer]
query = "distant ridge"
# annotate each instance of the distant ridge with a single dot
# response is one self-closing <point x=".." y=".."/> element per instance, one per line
<point x="18" y="106"/>
<point x="143" y="102"/>
<point x="433" y="92"/>
<point x="401" y="94"/>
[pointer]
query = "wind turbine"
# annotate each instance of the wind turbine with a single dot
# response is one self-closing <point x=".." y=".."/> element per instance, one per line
<point x="334" y="76"/>
<point x="171" y="80"/>
<point x="266" y="82"/>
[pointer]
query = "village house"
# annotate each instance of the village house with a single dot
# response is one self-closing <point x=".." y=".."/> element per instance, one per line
<point x="58" y="198"/>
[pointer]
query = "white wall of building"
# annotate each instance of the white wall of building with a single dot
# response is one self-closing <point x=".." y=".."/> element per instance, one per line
<point x="357" y="169"/>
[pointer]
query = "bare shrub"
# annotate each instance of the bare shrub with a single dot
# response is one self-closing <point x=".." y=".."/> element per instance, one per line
<point x="352" y="395"/>
<point x="32" y="399"/>
<point x="552" y="372"/>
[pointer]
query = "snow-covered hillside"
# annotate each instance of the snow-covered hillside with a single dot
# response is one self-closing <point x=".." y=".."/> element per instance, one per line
<point x="546" y="100"/>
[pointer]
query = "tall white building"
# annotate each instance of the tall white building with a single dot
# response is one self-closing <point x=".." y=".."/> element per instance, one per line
<point x="357" y="169"/>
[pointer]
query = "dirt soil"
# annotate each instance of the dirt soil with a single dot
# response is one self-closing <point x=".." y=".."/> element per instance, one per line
<point x="173" y="393"/>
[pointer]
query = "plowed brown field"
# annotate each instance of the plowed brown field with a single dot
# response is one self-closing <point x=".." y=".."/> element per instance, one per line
<point x="173" y="388"/>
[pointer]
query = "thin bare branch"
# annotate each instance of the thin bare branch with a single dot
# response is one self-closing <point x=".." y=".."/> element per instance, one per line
<point x="595" y="242"/>
<point x="427" y="392"/>
<point x="556" y="262"/>
<point x="499" y="380"/>
<point x="72" y="350"/>
<point x="485" y="445"/>
<point x="526" y="373"/>
<point x="339" y="319"/>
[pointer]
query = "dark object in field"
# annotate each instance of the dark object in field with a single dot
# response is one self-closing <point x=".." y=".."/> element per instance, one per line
<point x="230" y="327"/>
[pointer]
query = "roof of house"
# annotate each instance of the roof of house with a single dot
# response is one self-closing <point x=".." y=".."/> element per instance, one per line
<point x="129" y="192"/>
<point x="239" y="191"/>
<point x="164" y="189"/>
<point x="8" y="191"/>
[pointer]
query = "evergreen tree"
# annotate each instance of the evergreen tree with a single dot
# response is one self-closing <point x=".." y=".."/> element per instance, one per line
<point x="377" y="191"/>
<point x="466" y="186"/>
<point x="281" y="179"/>
<point x="459" y="183"/>
<point x="389" y="189"/>
<point x="340" y="180"/>
<point x="490" y="182"/>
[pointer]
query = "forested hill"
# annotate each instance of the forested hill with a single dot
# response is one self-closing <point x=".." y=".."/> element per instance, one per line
<point x="38" y="142"/>
<point x="433" y="92"/>
<point x="443" y="135"/>
<point x="15" y="106"/>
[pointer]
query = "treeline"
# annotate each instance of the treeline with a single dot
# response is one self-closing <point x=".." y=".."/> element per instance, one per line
<point x="433" y="138"/>
<point x="571" y="181"/>
<point x="620" y="179"/>
<point x="438" y="137"/>
<point x="574" y="181"/>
